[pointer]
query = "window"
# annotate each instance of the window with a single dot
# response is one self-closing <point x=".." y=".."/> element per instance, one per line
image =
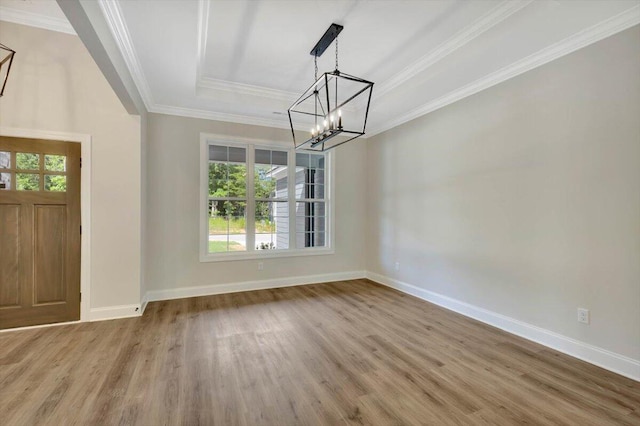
<point x="262" y="201"/>
<point x="33" y="172"/>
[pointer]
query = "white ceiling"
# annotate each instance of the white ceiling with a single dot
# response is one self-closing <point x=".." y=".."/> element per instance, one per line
<point x="247" y="61"/>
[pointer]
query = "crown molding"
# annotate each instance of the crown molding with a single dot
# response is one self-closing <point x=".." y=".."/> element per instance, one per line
<point x="245" y="89"/>
<point x="584" y="38"/>
<point x="23" y="17"/>
<point x="489" y="20"/>
<point x="219" y="116"/>
<point x="113" y="15"/>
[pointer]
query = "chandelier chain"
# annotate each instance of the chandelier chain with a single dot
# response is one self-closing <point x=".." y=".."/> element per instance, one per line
<point x="315" y="63"/>
<point x="336" y="52"/>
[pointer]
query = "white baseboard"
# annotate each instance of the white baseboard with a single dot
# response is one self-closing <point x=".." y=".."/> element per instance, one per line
<point x="115" y="312"/>
<point x="208" y="290"/>
<point x="617" y="363"/>
<point x="144" y="302"/>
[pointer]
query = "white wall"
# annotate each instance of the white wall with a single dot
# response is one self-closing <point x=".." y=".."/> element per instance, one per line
<point x="523" y="199"/>
<point x="173" y="210"/>
<point x="55" y="86"/>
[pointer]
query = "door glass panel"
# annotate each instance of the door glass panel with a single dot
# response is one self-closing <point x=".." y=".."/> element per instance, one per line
<point x="55" y="183"/>
<point x="55" y="163"/>
<point x="5" y="160"/>
<point x="27" y="182"/>
<point x="27" y="161"/>
<point x="5" y="181"/>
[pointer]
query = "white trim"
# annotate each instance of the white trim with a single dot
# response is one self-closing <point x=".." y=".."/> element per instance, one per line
<point x="85" y="201"/>
<point x="220" y="116"/>
<point x="144" y="303"/>
<point x="113" y="16"/>
<point x="265" y="254"/>
<point x="32" y="327"/>
<point x="591" y="35"/>
<point x="115" y="312"/>
<point x="617" y="363"/>
<point x="205" y="84"/>
<point x="23" y="17"/>
<point x="489" y="20"/>
<point x="213" y="289"/>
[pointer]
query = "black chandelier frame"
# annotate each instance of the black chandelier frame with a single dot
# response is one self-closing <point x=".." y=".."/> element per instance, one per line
<point x="3" y="60"/>
<point x="322" y="110"/>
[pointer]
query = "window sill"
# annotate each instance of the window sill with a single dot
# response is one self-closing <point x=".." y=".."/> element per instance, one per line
<point x="266" y="254"/>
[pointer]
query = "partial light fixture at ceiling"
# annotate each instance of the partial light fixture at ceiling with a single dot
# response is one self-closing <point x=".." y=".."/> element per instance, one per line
<point x="6" y="59"/>
<point x="336" y="106"/>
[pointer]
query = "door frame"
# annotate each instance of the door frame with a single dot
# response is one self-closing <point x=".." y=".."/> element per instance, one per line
<point x="85" y="204"/>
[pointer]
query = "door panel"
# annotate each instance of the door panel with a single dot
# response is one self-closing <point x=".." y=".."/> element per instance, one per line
<point x="50" y="247"/>
<point x="9" y="249"/>
<point x="39" y="232"/>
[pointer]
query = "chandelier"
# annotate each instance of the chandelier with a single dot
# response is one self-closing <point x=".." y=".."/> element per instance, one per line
<point x="6" y="58"/>
<point x="334" y="108"/>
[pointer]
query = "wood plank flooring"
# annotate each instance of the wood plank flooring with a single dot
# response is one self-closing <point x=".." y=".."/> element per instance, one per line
<point x="349" y="352"/>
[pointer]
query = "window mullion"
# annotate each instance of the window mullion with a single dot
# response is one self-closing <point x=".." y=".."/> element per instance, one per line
<point x="291" y="191"/>
<point x="251" y="204"/>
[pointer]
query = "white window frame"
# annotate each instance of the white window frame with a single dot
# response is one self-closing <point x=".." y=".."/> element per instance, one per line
<point x="207" y="139"/>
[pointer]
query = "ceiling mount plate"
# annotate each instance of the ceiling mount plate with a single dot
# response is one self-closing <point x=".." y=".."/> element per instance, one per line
<point x="328" y="37"/>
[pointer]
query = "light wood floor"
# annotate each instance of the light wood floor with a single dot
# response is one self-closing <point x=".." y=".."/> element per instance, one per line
<point x="342" y="353"/>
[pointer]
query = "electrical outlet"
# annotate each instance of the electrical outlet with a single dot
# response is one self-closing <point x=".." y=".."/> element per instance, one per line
<point x="397" y="266"/>
<point x="260" y="266"/>
<point x="583" y="315"/>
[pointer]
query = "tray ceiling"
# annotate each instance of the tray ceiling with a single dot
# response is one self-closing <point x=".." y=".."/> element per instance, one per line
<point x="247" y="61"/>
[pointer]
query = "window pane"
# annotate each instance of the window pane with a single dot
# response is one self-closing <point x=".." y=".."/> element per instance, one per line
<point x="5" y="160"/>
<point x="237" y="181"/>
<point x="307" y="181"/>
<point x="218" y="153"/>
<point x="227" y="180"/>
<point x="27" y="182"/>
<point x="27" y="161"/>
<point x="227" y="153"/>
<point x="272" y="225"/>
<point x="5" y="181"/>
<point x="310" y="239"/>
<point x="270" y="174"/>
<point x="263" y="156"/>
<point x="55" y="163"/>
<point x="237" y="155"/>
<point x="312" y="191"/>
<point x="55" y="183"/>
<point x="279" y="158"/>
<point x="227" y="226"/>
<point x="302" y="160"/>
<point x="310" y="209"/>
<point x="310" y="223"/>
<point x="313" y="161"/>
<point x="218" y="171"/>
<point x="316" y="161"/>
<point x="264" y="182"/>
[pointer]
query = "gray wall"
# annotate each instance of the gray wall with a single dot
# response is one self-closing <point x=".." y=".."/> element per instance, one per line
<point x="523" y="199"/>
<point x="173" y="209"/>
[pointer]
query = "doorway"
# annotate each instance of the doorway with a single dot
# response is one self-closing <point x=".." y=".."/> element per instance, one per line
<point x="40" y="231"/>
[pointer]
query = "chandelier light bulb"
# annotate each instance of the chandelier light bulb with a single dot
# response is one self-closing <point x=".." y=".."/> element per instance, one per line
<point x="340" y="119"/>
